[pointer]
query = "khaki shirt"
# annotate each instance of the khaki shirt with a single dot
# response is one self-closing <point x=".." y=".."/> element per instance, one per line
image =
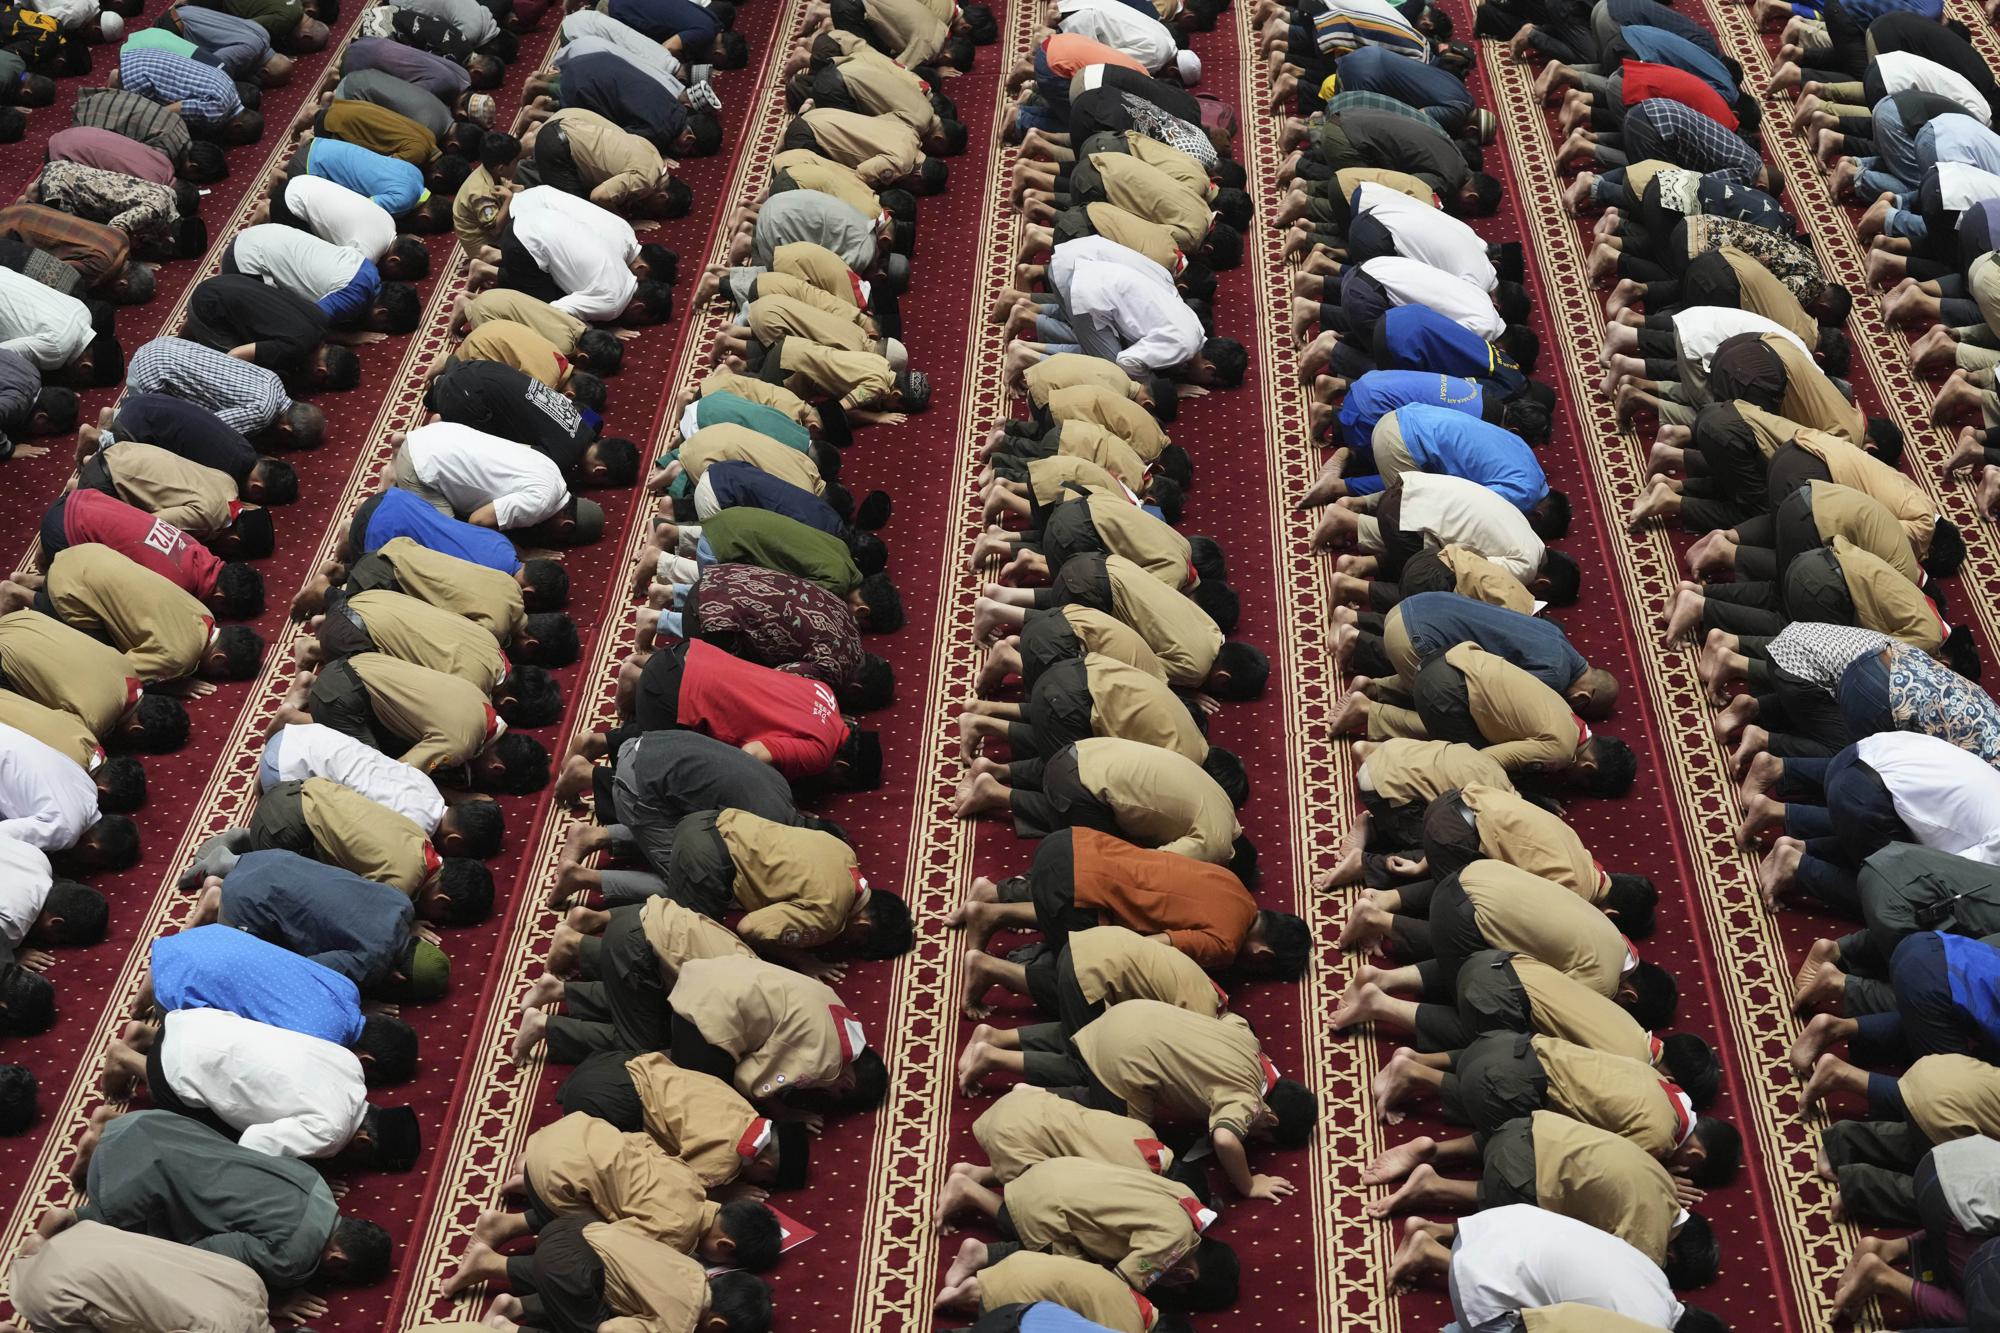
<point x="1351" y="179"/>
<point x="1068" y="370"/>
<point x="1154" y="240"/>
<point x="1856" y="467"/>
<point x="729" y="442"/>
<point x="1135" y="705"/>
<point x="1138" y="1223"/>
<point x="917" y="33"/>
<point x="1179" y="632"/>
<point x="1183" y="167"/>
<point x="881" y="149"/>
<point x="819" y="266"/>
<point x="1114" y="410"/>
<point x="1083" y="439"/>
<point x="1570" y="1317"/>
<point x="1885" y="601"/>
<point x="1481" y="578"/>
<point x="161" y="627"/>
<point x="1561" y="1006"/>
<point x="1113" y="965"/>
<point x="1064" y="476"/>
<point x="518" y="346"/>
<point x="697" y="1118"/>
<point x="1612" y="1092"/>
<point x="1405" y="771"/>
<point x="1953" y="1097"/>
<point x="886" y="88"/>
<point x="810" y="171"/>
<point x="486" y="597"/>
<point x="799" y="887"/>
<point x="1522" y="913"/>
<point x="413" y="630"/>
<point x="1105" y="635"/>
<point x="1596" y="1177"/>
<point x="62" y="732"/>
<point x="448" y="720"/>
<point x="1811" y="399"/>
<point x="1763" y="294"/>
<point x="64" y="668"/>
<point x="478" y="210"/>
<point x="653" y="1288"/>
<point x="679" y="933"/>
<point x="785" y="1030"/>
<point x="1176" y="1066"/>
<point x="504" y="303"/>
<point x="93" y="1278"/>
<point x="773" y="317"/>
<point x="196" y="499"/>
<point x="1159" y="798"/>
<point x="1085" y="1288"/>
<point x="1527" y="724"/>
<point x="1842" y="511"/>
<point x="862" y="379"/>
<point x="775" y="396"/>
<point x="616" y="164"/>
<point x="371" y="840"/>
<point x="1154" y="546"/>
<point x="1152" y="194"/>
<point x="584" y="1166"/>
<point x="798" y="289"/>
<point x="1032" y="1124"/>
<point x="1516" y="830"/>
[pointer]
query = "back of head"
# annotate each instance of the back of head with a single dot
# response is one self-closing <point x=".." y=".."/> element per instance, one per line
<point x="1227" y="770"/>
<point x="524" y="763"/>
<point x="27" y="1001"/>
<point x="1227" y="361"/>
<point x="1291" y="943"/>
<point x="398" y="1140"/>
<point x="871" y="1083"/>
<point x="1654" y="995"/>
<point x="1219" y="601"/>
<point x="1297" y="1111"/>
<point x="741" y="1300"/>
<point x="1692" y="1254"/>
<point x="1722" y="1149"/>
<point x="860" y="761"/>
<point x="388" y="1047"/>
<point x="121" y="784"/>
<point x="1564" y="576"/>
<point x="17" y="1098"/>
<point x="1630" y="901"/>
<point x="883" y="602"/>
<point x="467" y="889"/>
<point x="1247" y="668"/>
<point x="163" y="722"/>
<point x="891" y="933"/>
<point x="547" y="583"/>
<point x="1947" y="552"/>
<point x="83" y="912"/>
<point x="874" y="686"/>
<point x="1694" y="1319"/>
<point x="756" y="1235"/>
<point x="365" y="1249"/>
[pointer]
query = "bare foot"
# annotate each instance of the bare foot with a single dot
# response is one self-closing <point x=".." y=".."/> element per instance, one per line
<point x="1396" y="1163"/>
<point x="1811" y="981"/>
<point x="1777" y="870"/>
<point x="1393" y="1083"/>
<point x="1414" y="1193"/>
<point x="466" y="1273"/>
<point x="1821" y="1035"/>
<point x="534" y="1030"/>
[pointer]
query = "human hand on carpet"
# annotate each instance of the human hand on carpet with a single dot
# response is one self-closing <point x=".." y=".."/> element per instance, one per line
<point x="36" y="961"/>
<point x="29" y="451"/>
<point x="821" y="970"/>
<point x="1271" y="1188"/>
<point x="1685" y="1194"/>
<point x="424" y="932"/>
<point x="298" y="1308"/>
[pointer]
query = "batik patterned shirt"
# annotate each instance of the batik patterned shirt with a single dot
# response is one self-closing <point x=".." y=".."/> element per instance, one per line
<point x="779" y="620"/>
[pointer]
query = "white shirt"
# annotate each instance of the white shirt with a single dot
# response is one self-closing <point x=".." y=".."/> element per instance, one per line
<point x="1128" y="297"/>
<point x="1451" y="510"/>
<point x="1905" y="71"/>
<point x="69" y="14"/>
<point x="337" y="214"/>
<point x="587" y="250"/>
<point x="1961" y="185"/>
<point x="46" y="799"/>
<point x="1700" y="329"/>
<point x="295" y="260"/>
<point x="1413" y="282"/>
<point x="1430" y="235"/>
<point x="1521" y="1257"/>
<point x="311" y="750"/>
<point x="472" y="469"/>
<point x="1949" y="798"/>
<point x="289" y="1094"/>
<point x="25" y="878"/>
<point x="41" y="323"/>
<point x="1122" y="28"/>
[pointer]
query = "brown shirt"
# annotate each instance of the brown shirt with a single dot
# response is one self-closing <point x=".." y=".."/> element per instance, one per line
<point x="380" y="130"/>
<point x="729" y="442"/>
<point x="1176" y="1066"/>
<point x="1101" y="633"/>
<point x="159" y="626"/>
<point x="1405" y="771"/>
<point x="1066" y="370"/>
<point x="616" y="164"/>
<point x="1203" y="909"/>
<point x="653" y="1288"/>
<point x="1114" y="410"/>
<point x="1526" y="724"/>
<point x="448" y="720"/>
<point x="1764" y="295"/>
<point x="1159" y="797"/>
<point x="1351" y="179"/>
<point x="486" y="597"/>
<point x="1152" y="194"/>
<point x="757" y="391"/>
<point x="773" y="317"/>
<point x="584" y="1166"/>
<point x="62" y="732"/>
<point x="881" y="149"/>
<point x="371" y="840"/>
<point x="1885" y="601"/>
<point x="798" y="289"/>
<point x="413" y="630"/>
<point x="1154" y="546"/>
<point x="1811" y="399"/>
<point x="798" y="886"/>
<point x="785" y="1030"/>
<point x="1137" y="1223"/>
<point x="1032" y="1124"/>
<point x="697" y="1117"/>
<point x="64" y="668"/>
<point x="1842" y="511"/>
<point x="1059" y="477"/>
<point x="1113" y="965"/>
<point x="917" y="33"/>
<point x="516" y="345"/>
<point x="1953" y="1097"/>
<point x="1516" y="830"/>
<point x="1084" y="439"/>
<point x="1179" y="632"/>
<point x="1086" y="1288"/>
<point x="679" y="933"/>
<point x="504" y="303"/>
<point x="1596" y="1177"/>
<point x="1183" y="167"/>
<point x="1152" y="239"/>
<point x="1135" y="705"/>
<point x="1476" y="576"/>
<point x="1612" y="1092"/>
<point x="809" y="171"/>
<point x="1856" y="467"/>
<point x="196" y="499"/>
<point x="1522" y="913"/>
<point x="1561" y="1006"/>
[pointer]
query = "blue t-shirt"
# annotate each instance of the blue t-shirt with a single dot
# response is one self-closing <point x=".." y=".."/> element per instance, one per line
<point x="733" y="483"/>
<point x="1380" y="392"/>
<point x="1416" y="337"/>
<point x="399" y="513"/>
<point x="1657" y="46"/>
<point x="350" y="925"/>
<point x="1439" y="621"/>
<point x="1048" y="1317"/>
<point x="661" y="19"/>
<point x="391" y="182"/>
<point x="221" y="967"/>
<point x="1442" y="440"/>
<point x="1975" y="981"/>
<point x="1375" y="70"/>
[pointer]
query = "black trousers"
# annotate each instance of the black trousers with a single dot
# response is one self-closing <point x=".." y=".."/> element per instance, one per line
<point x="600" y="1085"/>
<point x="554" y="161"/>
<point x="562" y="1282"/>
<point x="1053" y="987"/>
<point x="626" y="1008"/>
<point x="1063" y="802"/>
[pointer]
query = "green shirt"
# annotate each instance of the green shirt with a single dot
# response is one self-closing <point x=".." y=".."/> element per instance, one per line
<point x="163" y="40"/>
<point x="771" y="541"/>
<point x="713" y="409"/>
<point x="277" y="17"/>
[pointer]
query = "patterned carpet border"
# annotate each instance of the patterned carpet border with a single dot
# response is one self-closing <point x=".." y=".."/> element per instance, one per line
<point x="1350" y="1251"/>
<point x="1740" y="937"/>
<point x="495" y="1096"/>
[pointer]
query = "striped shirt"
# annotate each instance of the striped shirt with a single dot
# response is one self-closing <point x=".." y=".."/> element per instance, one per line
<point x="136" y="117"/>
<point x="205" y="94"/>
<point x="247" y="398"/>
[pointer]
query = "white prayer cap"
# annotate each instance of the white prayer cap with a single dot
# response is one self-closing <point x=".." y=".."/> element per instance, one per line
<point x="897" y="355"/>
<point x="113" y="25"/>
<point x="1189" y="64"/>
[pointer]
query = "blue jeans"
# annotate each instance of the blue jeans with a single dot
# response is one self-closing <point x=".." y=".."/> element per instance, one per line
<point x="267" y="770"/>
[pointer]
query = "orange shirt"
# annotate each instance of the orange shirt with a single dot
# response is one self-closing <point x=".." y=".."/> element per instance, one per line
<point x="1068" y="53"/>
<point x="1204" y="909"/>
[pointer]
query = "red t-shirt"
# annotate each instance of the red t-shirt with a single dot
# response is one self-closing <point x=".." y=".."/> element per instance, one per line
<point x="93" y="516"/>
<point x="795" y="717"/>
<point x="1643" y="80"/>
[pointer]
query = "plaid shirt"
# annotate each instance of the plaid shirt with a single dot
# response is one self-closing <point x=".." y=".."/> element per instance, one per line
<point x="135" y="117"/>
<point x="205" y="94"/>
<point x="1674" y="132"/>
<point x="245" y="397"/>
<point x="135" y="207"/>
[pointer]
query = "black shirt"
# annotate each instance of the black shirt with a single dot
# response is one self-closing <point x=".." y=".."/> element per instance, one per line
<point x="232" y="309"/>
<point x="188" y="430"/>
<point x="500" y="400"/>
<point x="1398" y="143"/>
